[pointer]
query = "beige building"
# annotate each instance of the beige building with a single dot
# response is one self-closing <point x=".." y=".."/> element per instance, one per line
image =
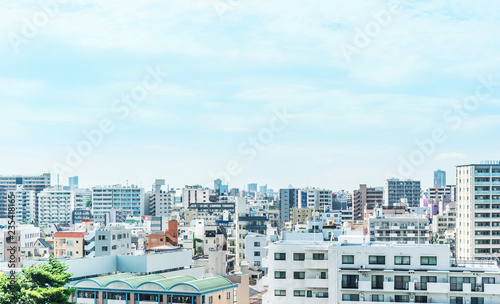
<point x="69" y="244"/>
<point x="302" y="215"/>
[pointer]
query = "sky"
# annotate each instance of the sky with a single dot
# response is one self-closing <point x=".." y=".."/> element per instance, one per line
<point x="321" y="93"/>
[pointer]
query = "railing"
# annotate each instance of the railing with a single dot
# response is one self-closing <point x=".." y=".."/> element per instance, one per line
<point x="401" y="286"/>
<point x="353" y="285"/>
<point x="456" y="286"/>
<point x="477" y="287"/>
<point x="421" y="286"/>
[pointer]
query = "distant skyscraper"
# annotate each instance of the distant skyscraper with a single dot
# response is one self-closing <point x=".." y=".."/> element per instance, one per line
<point x="252" y="188"/>
<point x="263" y="189"/>
<point x="73" y="183"/>
<point x="439" y="179"/>
<point x="217" y="184"/>
<point x="288" y="200"/>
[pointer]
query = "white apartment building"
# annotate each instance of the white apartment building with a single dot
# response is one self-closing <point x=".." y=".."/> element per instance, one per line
<point x="55" y="206"/>
<point x="313" y="198"/>
<point x="400" y="228"/>
<point x="255" y="249"/>
<point x="25" y="205"/>
<point x="195" y="194"/>
<point x="129" y="199"/>
<point x="478" y="210"/>
<point x="81" y="197"/>
<point x="344" y="273"/>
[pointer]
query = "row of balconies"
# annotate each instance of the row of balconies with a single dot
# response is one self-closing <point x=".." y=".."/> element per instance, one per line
<point x="441" y="287"/>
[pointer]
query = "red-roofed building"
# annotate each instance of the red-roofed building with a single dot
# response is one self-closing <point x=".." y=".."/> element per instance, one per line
<point x="69" y="244"/>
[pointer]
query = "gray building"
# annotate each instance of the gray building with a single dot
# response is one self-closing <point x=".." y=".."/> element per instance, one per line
<point x="397" y="191"/>
<point x="112" y="240"/>
<point x="366" y="197"/>
<point x="288" y="200"/>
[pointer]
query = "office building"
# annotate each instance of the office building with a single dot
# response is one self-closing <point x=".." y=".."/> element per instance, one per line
<point x="195" y="195"/>
<point x="439" y="179"/>
<point x="397" y="192"/>
<point x="252" y="188"/>
<point x="478" y="210"/>
<point x="73" y="183"/>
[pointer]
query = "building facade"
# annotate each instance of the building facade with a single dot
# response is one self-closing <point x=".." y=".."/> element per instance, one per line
<point x="397" y="191"/>
<point x="366" y="197"/>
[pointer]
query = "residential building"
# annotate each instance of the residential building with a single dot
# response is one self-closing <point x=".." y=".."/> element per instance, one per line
<point x="69" y="244"/>
<point x="170" y="237"/>
<point x="25" y="205"/>
<point x="303" y="215"/>
<point x="255" y="249"/>
<point x="313" y="198"/>
<point x="55" y="206"/>
<point x="29" y="182"/>
<point x="366" y="197"/>
<point x="360" y="272"/>
<point x="444" y="226"/>
<point x="401" y="228"/>
<point x="398" y="191"/>
<point x="288" y="200"/>
<point x="478" y="210"/>
<point x="127" y="199"/>
<point x="195" y="195"/>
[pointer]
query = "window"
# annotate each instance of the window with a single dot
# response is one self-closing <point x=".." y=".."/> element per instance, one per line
<point x="402" y="260"/>
<point x="280" y="275"/>
<point x="347" y="259"/>
<point x="299" y="256"/>
<point x="318" y="256"/>
<point x="299" y="275"/>
<point x="420" y="299"/>
<point x="210" y="300"/>
<point x="475" y="300"/>
<point x="279" y="256"/>
<point x="228" y="295"/>
<point x="377" y="282"/>
<point x="113" y="247"/>
<point x="400" y="298"/>
<point x="377" y="260"/>
<point x="256" y="244"/>
<point x="256" y="253"/>
<point x="428" y="260"/>
<point x="322" y="295"/>
<point x="256" y="263"/>
<point x="299" y="293"/>
<point x="70" y="243"/>
<point x="280" y="293"/>
<point x="488" y="280"/>
<point x="322" y="275"/>
<point x="104" y="248"/>
<point x="350" y="297"/>
<point x="350" y="281"/>
<point x="401" y="282"/>
<point x="377" y="298"/>
<point x="424" y="280"/>
<point x="456" y="300"/>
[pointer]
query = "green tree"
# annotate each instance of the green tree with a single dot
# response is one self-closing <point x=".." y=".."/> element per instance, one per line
<point x="42" y="284"/>
<point x="88" y="203"/>
<point x="197" y="250"/>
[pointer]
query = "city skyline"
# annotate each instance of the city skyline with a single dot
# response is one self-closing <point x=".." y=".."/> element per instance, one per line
<point x="339" y="93"/>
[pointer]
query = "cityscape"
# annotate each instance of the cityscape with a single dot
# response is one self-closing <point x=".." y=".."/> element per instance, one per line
<point x="249" y="152"/>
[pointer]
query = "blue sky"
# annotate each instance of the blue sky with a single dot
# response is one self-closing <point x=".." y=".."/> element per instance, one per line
<point x="354" y="117"/>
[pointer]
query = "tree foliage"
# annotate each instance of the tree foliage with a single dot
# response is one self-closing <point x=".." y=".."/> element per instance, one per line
<point x="88" y="203"/>
<point x="42" y="284"/>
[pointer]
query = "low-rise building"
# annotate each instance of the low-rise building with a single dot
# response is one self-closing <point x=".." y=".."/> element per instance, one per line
<point x="69" y="244"/>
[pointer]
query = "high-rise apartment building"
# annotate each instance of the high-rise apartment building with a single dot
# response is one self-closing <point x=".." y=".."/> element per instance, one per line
<point x="128" y="199"/>
<point x="55" y="206"/>
<point x="478" y="210"/>
<point x="288" y="200"/>
<point x="313" y="198"/>
<point x="366" y="197"/>
<point x="397" y="191"/>
<point x="25" y="205"/>
<point x="194" y="195"/>
<point x="29" y="182"/>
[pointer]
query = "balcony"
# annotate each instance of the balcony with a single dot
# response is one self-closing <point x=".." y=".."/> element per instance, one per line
<point x="401" y="286"/>
<point x="456" y="287"/>
<point x="350" y="285"/>
<point x="477" y="287"/>
<point x="316" y="264"/>
<point x="316" y="283"/>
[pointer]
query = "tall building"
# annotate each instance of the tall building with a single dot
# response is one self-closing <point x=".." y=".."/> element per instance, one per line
<point x="397" y="191"/>
<point x="439" y="179"/>
<point x="129" y="199"/>
<point x="73" y="183"/>
<point x="288" y="200"/>
<point x="217" y="184"/>
<point x="366" y="197"/>
<point x="313" y="198"/>
<point x="478" y="210"/>
<point x="195" y="195"/>
<point x="25" y="205"/>
<point x="55" y="206"/>
<point x="263" y="189"/>
<point x="252" y="188"/>
<point x="29" y="182"/>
